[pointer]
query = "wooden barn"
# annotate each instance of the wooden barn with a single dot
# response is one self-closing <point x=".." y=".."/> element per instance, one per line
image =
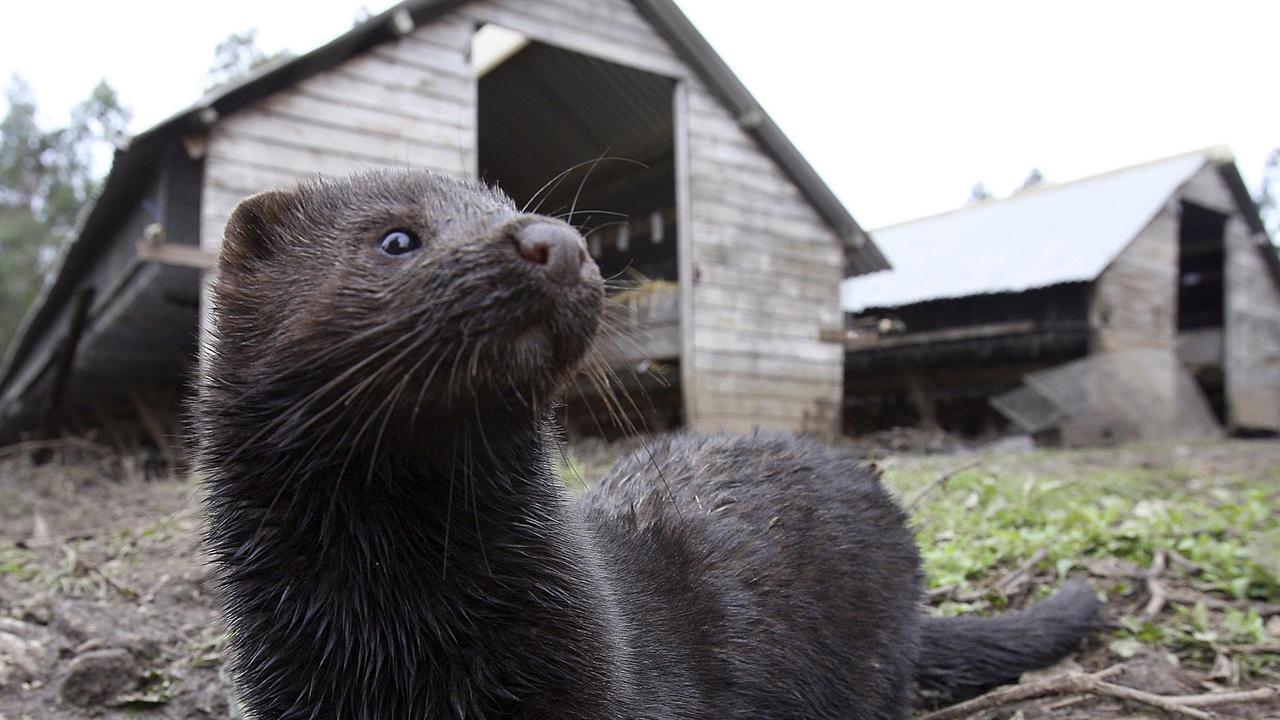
<point x="737" y="247"/>
<point x="1169" y="256"/>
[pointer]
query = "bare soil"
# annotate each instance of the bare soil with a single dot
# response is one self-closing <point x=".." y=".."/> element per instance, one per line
<point x="107" y="607"/>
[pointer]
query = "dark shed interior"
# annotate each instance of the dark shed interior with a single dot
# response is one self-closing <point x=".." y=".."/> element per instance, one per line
<point x="593" y="142"/>
<point x="589" y="141"/>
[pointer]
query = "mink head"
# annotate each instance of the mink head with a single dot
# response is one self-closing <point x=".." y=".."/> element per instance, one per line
<point x="406" y="296"/>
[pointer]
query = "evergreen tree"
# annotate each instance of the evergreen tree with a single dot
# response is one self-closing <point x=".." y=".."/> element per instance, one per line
<point x="47" y="178"/>
<point x="237" y="56"/>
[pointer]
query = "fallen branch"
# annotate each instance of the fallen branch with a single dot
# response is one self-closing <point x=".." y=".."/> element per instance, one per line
<point x="1003" y="585"/>
<point x="937" y="482"/>
<point x="1009" y="694"/>
<point x="1191" y="597"/>
<point x="1229" y="698"/>
<point x="1191" y="566"/>
<point x="1095" y="684"/>
<point x="1006" y="583"/>
<point x="1167" y="703"/>
<point x="1065" y="703"/>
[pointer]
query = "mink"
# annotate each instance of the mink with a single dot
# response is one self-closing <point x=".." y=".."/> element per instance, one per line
<point x="374" y="421"/>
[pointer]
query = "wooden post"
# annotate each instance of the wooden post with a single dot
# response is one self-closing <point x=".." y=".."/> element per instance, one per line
<point x="153" y="248"/>
<point x="684" y="254"/>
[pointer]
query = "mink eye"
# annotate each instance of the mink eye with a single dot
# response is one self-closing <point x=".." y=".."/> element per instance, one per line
<point x="399" y="242"/>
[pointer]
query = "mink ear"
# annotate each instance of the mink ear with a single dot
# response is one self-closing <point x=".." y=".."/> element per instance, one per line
<point x="253" y="232"/>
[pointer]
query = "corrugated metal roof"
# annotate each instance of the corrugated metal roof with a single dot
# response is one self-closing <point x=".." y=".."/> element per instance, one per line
<point x="1037" y="238"/>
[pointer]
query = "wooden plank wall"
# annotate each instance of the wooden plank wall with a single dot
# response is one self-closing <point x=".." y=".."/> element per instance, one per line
<point x="408" y="103"/>
<point x="1134" y="308"/>
<point x="764" y="268"/>
<point x="1135" y="300"/>
<point x="1252" y="334"/>
<point x="766" y="281"/>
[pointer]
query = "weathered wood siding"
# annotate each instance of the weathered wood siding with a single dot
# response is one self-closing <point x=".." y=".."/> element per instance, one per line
<point x="1135" y="300"/>
<point x="1252" y="334"/>
<point x="1135" y="303"/>
<point x="408" y="103"/>
<point x="766" y="280"/>
<point x="1134" y="308"/>
<point x="762" y="272"/>
<point x="1207" y="189"/>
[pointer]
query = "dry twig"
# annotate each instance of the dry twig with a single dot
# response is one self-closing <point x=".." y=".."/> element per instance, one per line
<point x="113" y="583"/>
<point x="1003" y="586"/>
<point x="1007" y="582"/>
<point x="1154" y="587"/>
<point x="1190" y="566"/>
<point x="1095" y="684"/>
<point x="1060" y="685"/>
<point x="1191" y="597"/>
<point x="937" y="482"/>
<point x="1229" y="698"/>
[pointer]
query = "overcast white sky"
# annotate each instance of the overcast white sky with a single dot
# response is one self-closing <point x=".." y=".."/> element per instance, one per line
<point x="902" y="106"/>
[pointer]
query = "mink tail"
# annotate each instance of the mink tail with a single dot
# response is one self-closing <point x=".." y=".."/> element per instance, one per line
<point x="965" y="656"/>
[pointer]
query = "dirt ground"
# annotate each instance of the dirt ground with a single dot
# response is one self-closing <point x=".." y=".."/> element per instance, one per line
<point x="107" y="608"/>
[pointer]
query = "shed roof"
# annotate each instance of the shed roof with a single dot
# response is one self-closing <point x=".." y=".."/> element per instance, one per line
<point x="1044" y="236"/>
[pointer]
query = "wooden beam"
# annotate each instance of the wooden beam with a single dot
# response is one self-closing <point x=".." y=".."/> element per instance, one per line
<point x="862" y="329"/>
<point x="153" y="248"/>
<point x="868" y="341"/>
<point x="686" y="272"/>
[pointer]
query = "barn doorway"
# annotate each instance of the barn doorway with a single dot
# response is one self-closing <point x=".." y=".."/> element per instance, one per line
<point x="1202" y="300"/>
<point x="593" y="142"/>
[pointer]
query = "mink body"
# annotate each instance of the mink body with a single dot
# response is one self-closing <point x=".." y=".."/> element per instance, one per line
<point x="393" y="541"/>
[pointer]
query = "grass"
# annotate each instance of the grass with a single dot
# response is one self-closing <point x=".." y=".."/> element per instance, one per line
<point x="1062" y="507"/>
<point x="984" y="520"/>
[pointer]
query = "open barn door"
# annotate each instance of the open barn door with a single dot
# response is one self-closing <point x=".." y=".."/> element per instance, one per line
<point x="592" y="142"/>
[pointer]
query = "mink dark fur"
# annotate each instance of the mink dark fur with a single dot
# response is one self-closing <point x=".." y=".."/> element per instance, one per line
<point x="393" y="541"/>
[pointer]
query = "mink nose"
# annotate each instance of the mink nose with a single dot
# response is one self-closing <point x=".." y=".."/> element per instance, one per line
<point x="556" y="249"/>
